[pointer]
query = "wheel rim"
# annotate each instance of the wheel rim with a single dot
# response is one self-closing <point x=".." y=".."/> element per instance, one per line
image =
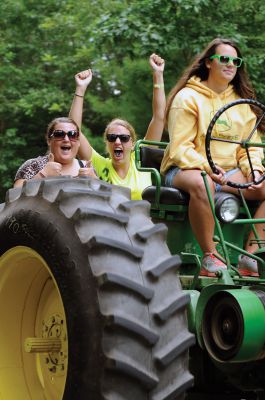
<point x="223" y="327"/>
<point x="31" y="310"/>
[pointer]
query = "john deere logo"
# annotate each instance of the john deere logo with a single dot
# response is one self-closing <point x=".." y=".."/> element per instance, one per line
<point x="223" y="123"/>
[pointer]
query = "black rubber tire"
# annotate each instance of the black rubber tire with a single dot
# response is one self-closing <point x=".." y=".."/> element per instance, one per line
<point x="209" y="138"/>
<point x="124" y="306"/>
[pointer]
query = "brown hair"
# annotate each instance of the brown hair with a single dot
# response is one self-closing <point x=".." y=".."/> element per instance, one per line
<point x="121" y="122"/>
<point x="241" y="82"/>
<point x="55" y="121"/>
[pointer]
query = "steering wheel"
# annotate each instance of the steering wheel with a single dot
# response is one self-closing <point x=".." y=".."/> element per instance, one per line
<point x="244" y="143"/>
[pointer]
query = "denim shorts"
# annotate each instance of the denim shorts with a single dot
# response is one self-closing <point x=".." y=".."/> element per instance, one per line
<point x="170" y="175"/>
<point x="218" y="187"/>
<point x="172" y="172"/>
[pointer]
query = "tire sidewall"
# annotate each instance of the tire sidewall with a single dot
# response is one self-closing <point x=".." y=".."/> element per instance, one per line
<point x="57" y="243"/>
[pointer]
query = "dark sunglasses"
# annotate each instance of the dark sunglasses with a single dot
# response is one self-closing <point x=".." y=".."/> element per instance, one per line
<point x="60" y="135"/>
<point x="112" y="137"/>
<point x="224" y="60"/>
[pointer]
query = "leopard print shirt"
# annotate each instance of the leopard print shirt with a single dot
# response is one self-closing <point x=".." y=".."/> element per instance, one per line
<point x="31" y="167"/>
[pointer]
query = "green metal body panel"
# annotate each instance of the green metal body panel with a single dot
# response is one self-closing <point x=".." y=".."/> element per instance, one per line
<point x="180" y="238"/>
<point x="244" y="372"/>
<point x="194" y="297"/>
<point x="253" y="319"/>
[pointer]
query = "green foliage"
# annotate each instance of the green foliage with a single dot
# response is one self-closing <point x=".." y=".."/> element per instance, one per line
<point x="10" y="157"/>
<point x="44" y="43"/>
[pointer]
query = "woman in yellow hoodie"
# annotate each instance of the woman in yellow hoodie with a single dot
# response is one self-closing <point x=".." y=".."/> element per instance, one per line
<point x="215" y="78"/>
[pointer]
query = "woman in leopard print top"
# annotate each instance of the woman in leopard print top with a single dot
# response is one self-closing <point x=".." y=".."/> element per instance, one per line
<point x="63" y="143"/>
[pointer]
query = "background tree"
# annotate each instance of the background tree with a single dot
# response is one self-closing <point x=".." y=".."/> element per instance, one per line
<point x="44" y="43"/>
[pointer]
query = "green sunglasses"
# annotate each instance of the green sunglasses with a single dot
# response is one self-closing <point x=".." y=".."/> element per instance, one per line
<point x="224" y="60"/>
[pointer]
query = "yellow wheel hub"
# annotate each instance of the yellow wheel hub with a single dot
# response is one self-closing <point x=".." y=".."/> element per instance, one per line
<point x="33" y="335"/>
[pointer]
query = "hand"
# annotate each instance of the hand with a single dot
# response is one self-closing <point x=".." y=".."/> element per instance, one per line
<point x="88" y="170"/>
<point x="52" y="168"/>
<point x="257" y="175"/>
<point x="83" y="79"/>
<point x="220" y="177"/>
<point x="157" y="63"/>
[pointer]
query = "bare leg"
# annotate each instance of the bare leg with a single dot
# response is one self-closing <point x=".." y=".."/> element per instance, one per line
<point x="200" y="214"/>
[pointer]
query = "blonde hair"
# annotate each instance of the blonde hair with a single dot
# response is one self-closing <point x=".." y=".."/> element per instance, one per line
<point x="121" y="122"/>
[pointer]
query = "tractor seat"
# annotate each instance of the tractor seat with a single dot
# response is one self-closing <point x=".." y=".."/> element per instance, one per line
<point x="151" y="157"/>
<point x="167" y="195"/>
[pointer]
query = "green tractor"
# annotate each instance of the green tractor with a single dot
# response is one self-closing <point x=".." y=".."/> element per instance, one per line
<point x="100" y="301"/>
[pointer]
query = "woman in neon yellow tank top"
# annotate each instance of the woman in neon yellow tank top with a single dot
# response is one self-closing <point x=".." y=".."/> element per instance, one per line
<point x="120" y="136"/>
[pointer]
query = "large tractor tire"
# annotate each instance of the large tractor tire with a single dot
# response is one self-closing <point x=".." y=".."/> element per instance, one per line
<point x="90" y="303"/>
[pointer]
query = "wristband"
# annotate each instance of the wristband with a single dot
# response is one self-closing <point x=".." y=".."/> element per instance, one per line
<point x="158" y="85"/>
<point x="78" y="95"/>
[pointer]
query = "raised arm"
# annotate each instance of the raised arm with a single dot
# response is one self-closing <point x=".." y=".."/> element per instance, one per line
<point x="156" y="126"/>
<point x="82" y="80"/>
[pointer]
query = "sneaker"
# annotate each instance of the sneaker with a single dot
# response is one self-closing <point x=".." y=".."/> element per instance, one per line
<point x="210" y="265"/>
<point x="247" y="266"/>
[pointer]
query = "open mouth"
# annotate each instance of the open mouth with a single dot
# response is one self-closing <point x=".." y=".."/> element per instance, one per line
<point x="66" y="148"/>
<point x="118" y="152"/>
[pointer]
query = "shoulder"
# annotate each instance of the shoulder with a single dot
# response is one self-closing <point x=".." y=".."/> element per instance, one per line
<point x="185" y="98"/>
<point x="139" y="179"/>
<point x="132" y="157"/>
<point x="36" y="162"/>
<point x="133" y="165"/>
<point x="31" y="167"/>
<point x="142" y="174"/>
<point x="185" y="92"/>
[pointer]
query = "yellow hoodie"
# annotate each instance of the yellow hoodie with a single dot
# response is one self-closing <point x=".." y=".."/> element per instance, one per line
<point x="191" y="112"/>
